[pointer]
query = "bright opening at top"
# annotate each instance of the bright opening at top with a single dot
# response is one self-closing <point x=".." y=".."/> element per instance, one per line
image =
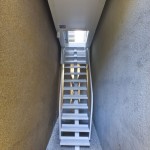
<point x="77" y="37"/>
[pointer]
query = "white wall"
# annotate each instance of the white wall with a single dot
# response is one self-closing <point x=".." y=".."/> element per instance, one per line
<point x="77" y="14"/>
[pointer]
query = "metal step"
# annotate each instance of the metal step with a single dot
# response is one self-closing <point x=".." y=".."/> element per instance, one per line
<point x="75" y="141"/>
<point x="75" y="129"/>
<point x="74" y="47"/>
<point x="72" y="116"/>
<point x="75" y="97"/>
<point x="75" y="61"/>
<point x="75" y="50"/>
<point x="75" y="73"/>
<point x="75" y="56"/>
<point x="75" y="88"/>
<point x="75" y="106"/>
<point x="76" y="80"/>
<point x="75" y="66"/>
<point x="73" y="125"/>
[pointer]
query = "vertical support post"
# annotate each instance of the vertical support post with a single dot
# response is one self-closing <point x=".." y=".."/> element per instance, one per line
<point x="77" y="147"/>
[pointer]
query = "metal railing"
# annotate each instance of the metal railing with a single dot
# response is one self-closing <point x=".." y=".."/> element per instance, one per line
<point x="61" y="97"/>
<point x="90" y="92"/>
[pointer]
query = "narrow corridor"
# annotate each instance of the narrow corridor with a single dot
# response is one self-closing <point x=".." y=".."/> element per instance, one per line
<point x="33" y="35"/>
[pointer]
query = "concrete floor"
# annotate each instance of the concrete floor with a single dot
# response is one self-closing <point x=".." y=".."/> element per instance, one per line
<point x="54" y="141"/>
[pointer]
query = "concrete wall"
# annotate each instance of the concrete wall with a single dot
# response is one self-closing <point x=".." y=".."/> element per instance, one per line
<point x="121" y="75"/>
<point x="28" y="74"/>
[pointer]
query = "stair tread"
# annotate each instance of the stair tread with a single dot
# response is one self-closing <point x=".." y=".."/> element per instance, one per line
<point x="75" y="141"/>
<point x="75" y="88"/>
<point x="74" y="125"/>
<point x="75" y="106"/>
<point x="75" y="97"/>
<point x="72" y="116"/>
<point x="80" y="61"/>
<point x="75" y="73"/>
<point x="75" y="56"/>
<point x="75" y="62"/>
<point x="74" y="138"/>
<point x="75" y="66"/>
<point x="75" y="50"/>
<point x="75" y="80"/>
<point x="75" y="129"/>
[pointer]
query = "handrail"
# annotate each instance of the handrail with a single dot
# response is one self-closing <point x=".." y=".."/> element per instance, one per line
<point x="91" y="91"/>
<point x="60" y="97"/>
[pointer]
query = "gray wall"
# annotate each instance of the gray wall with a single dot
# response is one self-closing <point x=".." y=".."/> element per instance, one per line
<point x="121" y="75"/>
<point x="29" y="67"/>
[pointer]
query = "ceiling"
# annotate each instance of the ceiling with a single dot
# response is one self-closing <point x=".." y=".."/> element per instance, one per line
<point x="77" y="15"/>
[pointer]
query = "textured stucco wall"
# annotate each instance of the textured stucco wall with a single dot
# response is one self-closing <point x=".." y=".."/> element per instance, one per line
<point x="121" y="75"/>
<point x="28" y="74"/>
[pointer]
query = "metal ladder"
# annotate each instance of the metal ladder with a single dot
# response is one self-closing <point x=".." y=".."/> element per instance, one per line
<point x="76" y="98"/>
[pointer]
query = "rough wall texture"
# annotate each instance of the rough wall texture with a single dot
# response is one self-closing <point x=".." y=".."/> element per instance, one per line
<point x="121" y="75"/>
<point x="28" y="74"/>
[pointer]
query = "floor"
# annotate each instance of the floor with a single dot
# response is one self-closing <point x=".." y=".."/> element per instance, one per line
<point x="54" y="141"/>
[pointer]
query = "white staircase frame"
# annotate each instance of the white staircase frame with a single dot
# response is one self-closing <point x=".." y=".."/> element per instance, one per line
<point x="90" y="92"/>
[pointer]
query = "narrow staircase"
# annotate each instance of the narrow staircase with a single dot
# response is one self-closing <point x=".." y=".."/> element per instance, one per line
<point x="76" y="98"/>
